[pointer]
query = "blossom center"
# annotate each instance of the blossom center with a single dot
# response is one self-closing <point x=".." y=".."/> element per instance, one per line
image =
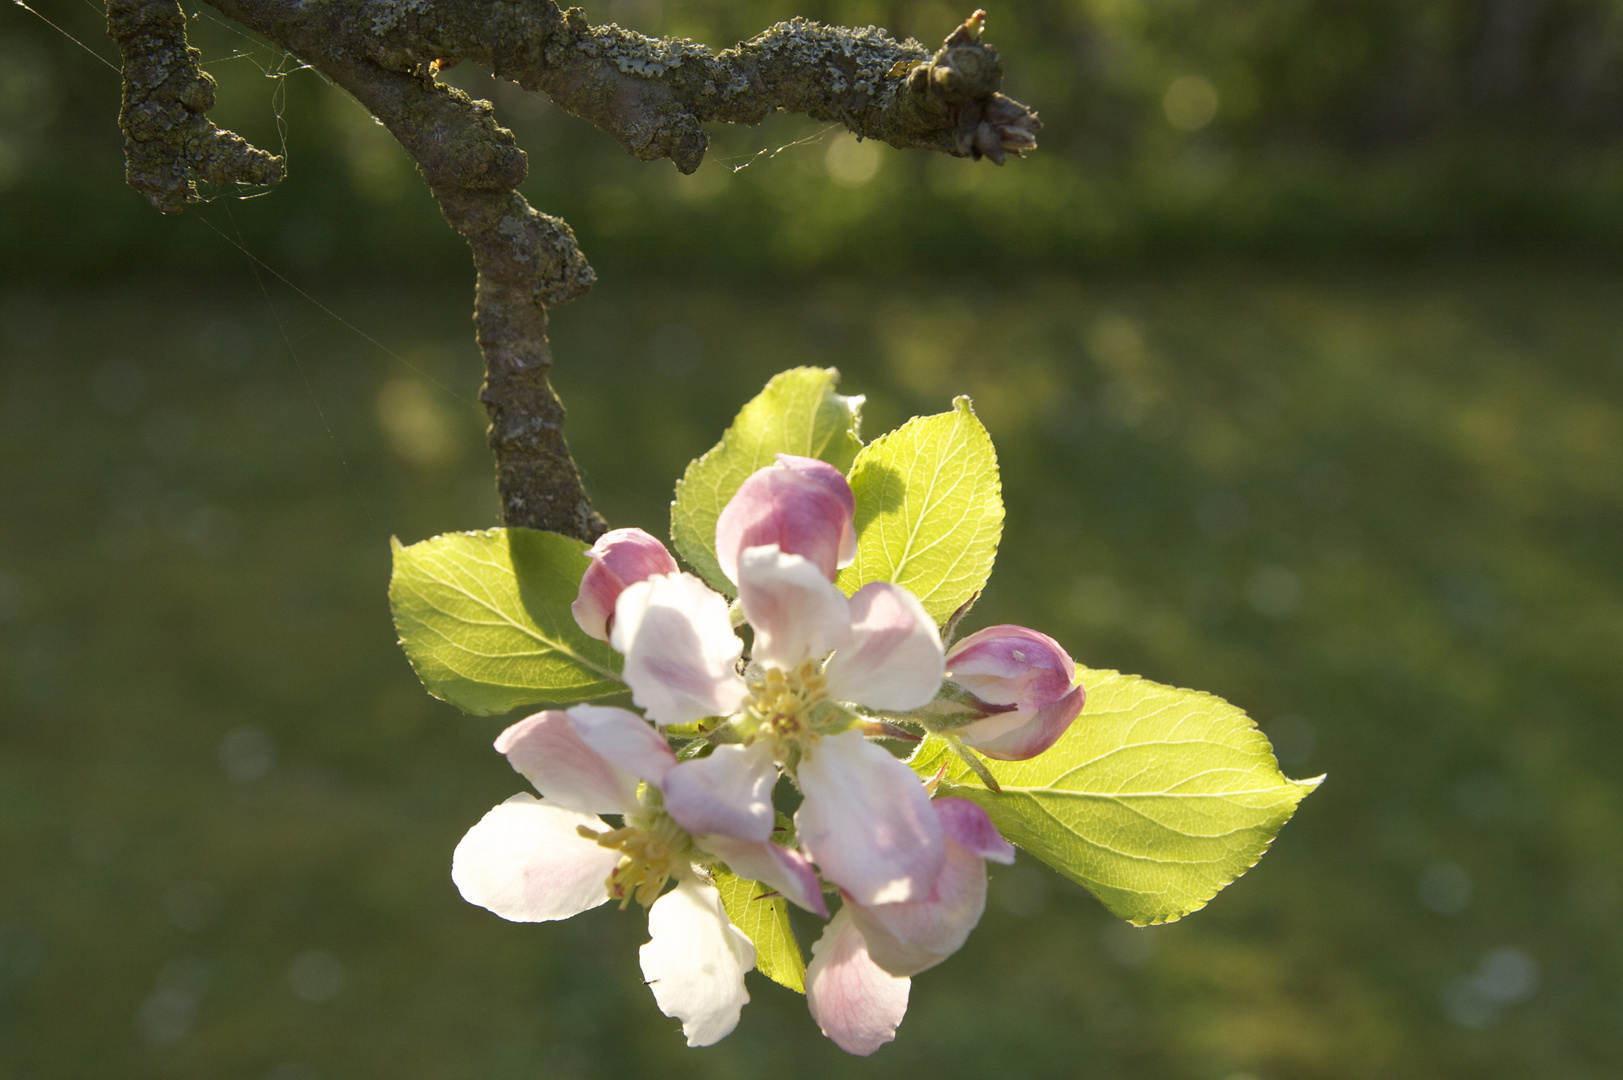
<point x="651" y="853"/>
<point x="783" y="701"/>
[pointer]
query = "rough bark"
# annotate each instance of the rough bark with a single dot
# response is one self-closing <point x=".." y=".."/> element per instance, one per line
<point x="169" y="143"/>
<point x="653" y="95"/>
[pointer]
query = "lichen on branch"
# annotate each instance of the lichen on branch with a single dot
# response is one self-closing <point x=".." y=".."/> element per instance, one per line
<point x="655" y="94"/>
<point x="169" y="143"/>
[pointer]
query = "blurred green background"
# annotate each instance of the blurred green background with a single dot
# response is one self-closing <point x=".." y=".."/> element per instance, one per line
<point x="1301" y="340"/>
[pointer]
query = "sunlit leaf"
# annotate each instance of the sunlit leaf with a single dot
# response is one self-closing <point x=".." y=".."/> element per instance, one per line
<point x="484" y="619"/>
<point x="765" y="921"/>
<point x="797" y="413"/>
<point x="1155" y="799"/>
<point x="929" y="510"/>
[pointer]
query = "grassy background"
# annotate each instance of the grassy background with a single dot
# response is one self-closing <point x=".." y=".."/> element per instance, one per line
<point x="1377" y="508"/>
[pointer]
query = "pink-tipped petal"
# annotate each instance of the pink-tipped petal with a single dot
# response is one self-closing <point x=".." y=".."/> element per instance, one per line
<point x="1029" y="677"/>
<point x="838" y="488"/>
<point x="681" y="653"/>
<point x="548" y="752"/>
<point x="780" y="868"/>
<point x="968" y="825"/>
<point x="801" y="505"/>
<point x="1012" y="665"/>
<point x="892" y="659"/>
<point x="625" y="740"/>
<point x="620" y="557"/>
<point x="911" y="937"/>
<point x="855" y="1002"/>
<point x="1016" y="736"/>
<point x="525" y="861"/>
<point x="796" y="614"/>
<point x="695" y="962"/>
<point x="728" y="792"/>
<point x="867" y="822"/>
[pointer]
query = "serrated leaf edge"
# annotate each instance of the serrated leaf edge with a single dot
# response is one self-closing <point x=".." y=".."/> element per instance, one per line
<point x="1097" y="675"/>
<point x="963" y="407"/>
<point x="397" y="579"/>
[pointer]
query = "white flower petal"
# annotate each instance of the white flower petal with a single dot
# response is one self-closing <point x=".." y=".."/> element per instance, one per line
<point x="796" y="612"/>
<point x="775" y="866"/>
<point x="728" y="792"/>
<point x="696" y="960"/>
<point x="893" y="658"/>
<point x="680" y="649"/>
<point x="626" y="741"/>
<point x="548" y="751"/>
<point x="525" y="861"/>
<point x="857" y="1003"/>
<point x="867" y="822"/>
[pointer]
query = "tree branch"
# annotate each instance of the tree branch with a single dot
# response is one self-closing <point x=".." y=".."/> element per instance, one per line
<point x="169" y="143"/>
<point x="524" y="259"/>
<point x="651" y="94"/>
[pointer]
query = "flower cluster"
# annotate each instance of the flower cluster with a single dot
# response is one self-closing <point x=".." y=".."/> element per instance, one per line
<point x="824" y="672"/>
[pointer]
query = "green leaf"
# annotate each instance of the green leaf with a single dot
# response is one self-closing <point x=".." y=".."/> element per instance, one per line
<point x="1155" y="799"/>
<point x="765" y="921"/>
<point x="929" y="510"/>
<point x="484" y="619"/>
<point x="797" y="413"/>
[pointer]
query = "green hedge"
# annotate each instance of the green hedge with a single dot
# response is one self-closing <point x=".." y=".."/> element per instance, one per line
<point x="1175" y="127"/>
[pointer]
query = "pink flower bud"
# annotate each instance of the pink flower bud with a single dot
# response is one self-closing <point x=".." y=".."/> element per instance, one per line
<point x="802" y="505"/>
<point x="620" y="557"/>
<point x="1025" y="680"/>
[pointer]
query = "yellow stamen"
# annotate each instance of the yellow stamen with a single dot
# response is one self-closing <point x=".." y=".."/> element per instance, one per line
<point x="783" y="701"/>
<point x="650" y="856"/>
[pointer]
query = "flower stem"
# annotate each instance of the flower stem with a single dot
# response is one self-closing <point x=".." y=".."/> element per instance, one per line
<point x="970" y="758"/>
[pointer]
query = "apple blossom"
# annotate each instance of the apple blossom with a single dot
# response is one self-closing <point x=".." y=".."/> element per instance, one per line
<point x="817" y="656"/>
<point x="864" y="819"/>
<point x="620" y="557"/>
<point x="911" y="871"/>
<point x="1023" y="686"/>
<point x="681" y="653"/>
<point x="789" y="685"/>
<point x="531" y="860"/>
